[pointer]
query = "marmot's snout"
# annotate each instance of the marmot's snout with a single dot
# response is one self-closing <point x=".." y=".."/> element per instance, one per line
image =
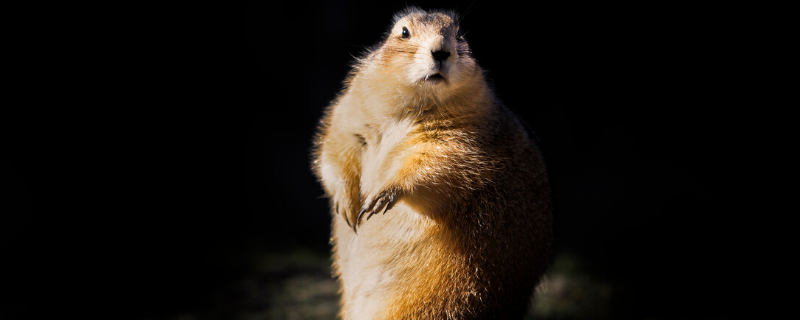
<point x="441" y="47"/>
<point x="440" y="51"/>
<point x="440" y="55"/>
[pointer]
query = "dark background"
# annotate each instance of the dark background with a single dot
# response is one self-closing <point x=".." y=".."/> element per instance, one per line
<point x="152" y="149"/>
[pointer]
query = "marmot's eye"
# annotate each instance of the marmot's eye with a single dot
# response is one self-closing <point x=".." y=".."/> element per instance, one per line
<point x="406" y="34"/>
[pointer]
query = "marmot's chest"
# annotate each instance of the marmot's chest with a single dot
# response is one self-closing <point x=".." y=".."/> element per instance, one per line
<point x="384" y="152"/>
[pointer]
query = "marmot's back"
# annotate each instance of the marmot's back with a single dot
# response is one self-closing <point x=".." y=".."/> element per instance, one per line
<point x="463" y="228"/>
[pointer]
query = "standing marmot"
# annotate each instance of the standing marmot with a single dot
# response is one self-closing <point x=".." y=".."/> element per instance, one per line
<point x="418" y="136"/>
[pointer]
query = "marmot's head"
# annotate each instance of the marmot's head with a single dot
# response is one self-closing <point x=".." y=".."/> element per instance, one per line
<point x="427" y="53"/>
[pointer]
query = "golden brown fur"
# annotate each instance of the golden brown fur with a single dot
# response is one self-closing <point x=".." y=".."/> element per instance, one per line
<point x="463" y="226"/>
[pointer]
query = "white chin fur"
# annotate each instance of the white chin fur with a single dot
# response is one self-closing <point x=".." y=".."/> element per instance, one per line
<point x="431" y="75"/>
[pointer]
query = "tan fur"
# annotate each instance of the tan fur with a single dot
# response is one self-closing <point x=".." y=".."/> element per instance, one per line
<point x="463" y="226"/>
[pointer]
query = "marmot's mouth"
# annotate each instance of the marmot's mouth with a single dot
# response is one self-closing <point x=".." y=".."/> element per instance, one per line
<point x="437" y="77"/>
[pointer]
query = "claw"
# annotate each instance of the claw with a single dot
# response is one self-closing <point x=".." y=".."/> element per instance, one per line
<point x="375" y="206"/>
<point x="360" y="214"/>
<point x="347" y="220"/>
<point x="384" y="202"/>
<point x="389" y="205"/>
<point x="370" y="214"/>
<point x="358" y="219"/>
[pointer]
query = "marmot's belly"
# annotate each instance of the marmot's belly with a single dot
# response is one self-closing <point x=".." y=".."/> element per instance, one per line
<point x="382" y="259"/>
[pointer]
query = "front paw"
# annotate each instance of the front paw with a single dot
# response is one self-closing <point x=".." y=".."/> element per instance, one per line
<point x="342" y="207"/>
<point x="383" y="200"/>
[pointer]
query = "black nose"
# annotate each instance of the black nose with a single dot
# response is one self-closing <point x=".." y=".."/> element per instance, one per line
<point x="440" y="55"/>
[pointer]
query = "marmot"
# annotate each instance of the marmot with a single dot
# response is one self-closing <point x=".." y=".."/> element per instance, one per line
<point x="418" y="136"/>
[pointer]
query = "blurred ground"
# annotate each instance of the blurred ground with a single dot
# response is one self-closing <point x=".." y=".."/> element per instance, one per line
<point x="293" y="287"/>
<point x="298" y="285"/>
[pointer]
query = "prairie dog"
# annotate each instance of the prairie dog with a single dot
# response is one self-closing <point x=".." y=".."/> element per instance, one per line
<point x="440" y="200"/>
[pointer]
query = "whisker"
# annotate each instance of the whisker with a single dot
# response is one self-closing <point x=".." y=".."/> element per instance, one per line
<point x="466" y="12"/>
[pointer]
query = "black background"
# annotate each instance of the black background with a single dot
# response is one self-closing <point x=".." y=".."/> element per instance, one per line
<point x="151" y="148"/>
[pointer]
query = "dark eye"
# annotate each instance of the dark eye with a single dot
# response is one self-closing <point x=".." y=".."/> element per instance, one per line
<point x="406" y="34"/>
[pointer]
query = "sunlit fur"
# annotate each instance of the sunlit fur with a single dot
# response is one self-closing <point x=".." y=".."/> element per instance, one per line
<point x="469" y="234"/>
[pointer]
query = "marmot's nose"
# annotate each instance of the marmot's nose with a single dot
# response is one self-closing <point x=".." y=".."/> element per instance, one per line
<point x="440" y="55"/>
